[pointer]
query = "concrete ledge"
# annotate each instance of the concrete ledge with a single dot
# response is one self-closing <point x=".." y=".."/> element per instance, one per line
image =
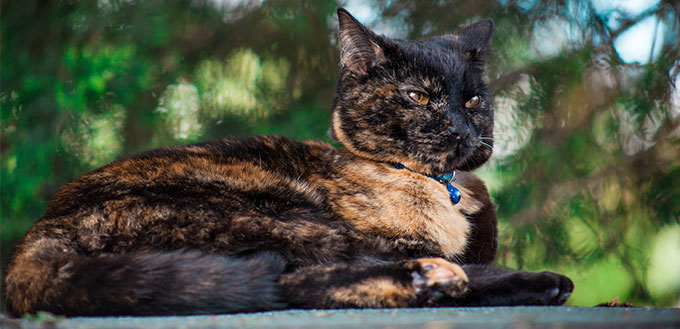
<point x="483" y="317"/>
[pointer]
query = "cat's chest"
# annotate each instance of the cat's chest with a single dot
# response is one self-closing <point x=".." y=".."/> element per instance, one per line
<point x="379" y="199"/>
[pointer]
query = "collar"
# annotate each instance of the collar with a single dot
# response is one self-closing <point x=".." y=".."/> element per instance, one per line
<point x="445" y="179"/>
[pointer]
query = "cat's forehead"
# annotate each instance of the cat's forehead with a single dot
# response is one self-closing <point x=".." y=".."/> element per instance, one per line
<point x="436" y="59"/>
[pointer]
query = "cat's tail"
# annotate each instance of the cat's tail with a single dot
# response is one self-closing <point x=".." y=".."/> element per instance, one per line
<point x="139" y="283"/>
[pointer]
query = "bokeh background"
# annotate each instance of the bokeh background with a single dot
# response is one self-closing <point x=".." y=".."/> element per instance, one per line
<point x="586" y="171"/>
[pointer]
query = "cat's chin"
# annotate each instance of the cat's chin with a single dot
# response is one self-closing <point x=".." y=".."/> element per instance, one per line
<point x="467" y="162"/>
<point x="447" y="169"/>
<point x="472" y="162"/>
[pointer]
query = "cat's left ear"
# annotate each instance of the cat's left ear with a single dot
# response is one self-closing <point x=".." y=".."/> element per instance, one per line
<point x="475" y="37"/>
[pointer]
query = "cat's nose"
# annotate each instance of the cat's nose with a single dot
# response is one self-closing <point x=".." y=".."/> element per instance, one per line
<point x="464" y="135"/>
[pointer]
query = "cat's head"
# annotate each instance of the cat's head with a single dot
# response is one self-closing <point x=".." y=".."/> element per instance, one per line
<point x="424" y="104"/>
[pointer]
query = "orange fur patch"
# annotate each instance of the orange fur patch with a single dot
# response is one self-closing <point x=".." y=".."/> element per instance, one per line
<point x="400" y="203"/>
<point x="374" y="292"/>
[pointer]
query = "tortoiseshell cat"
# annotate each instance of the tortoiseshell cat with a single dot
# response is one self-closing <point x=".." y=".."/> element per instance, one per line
<point x="267" y="222"/>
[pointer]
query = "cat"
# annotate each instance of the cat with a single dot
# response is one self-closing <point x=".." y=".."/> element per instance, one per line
<point x="393" y="219"/>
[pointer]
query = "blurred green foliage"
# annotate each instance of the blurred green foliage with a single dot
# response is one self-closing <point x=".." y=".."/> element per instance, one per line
<point x="586" y="175"/>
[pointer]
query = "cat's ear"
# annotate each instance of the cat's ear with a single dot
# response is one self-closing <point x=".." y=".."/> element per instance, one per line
<point x="359" y="50"/>
<point x="475" y="37"/>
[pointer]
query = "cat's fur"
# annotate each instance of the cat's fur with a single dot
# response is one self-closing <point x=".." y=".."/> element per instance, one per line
<point x="267" y="222"/>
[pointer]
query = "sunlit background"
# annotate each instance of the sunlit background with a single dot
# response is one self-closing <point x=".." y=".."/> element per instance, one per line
<point x="586" y="166"/>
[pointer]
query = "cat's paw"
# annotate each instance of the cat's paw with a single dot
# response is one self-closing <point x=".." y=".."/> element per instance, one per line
<point x="545" y="288"/>
<point x="434" y="278"/>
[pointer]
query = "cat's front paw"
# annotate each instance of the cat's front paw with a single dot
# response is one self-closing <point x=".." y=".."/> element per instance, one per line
<point x="557" y="288"/>
<point x="543" y="288"/>
<point x="434" y="278"/>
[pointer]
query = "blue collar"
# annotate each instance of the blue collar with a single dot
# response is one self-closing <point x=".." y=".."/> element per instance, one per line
<point x="446" y="179"/>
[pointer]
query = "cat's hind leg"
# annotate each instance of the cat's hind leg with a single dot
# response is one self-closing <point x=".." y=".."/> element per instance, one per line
<point x="419" y="282"/>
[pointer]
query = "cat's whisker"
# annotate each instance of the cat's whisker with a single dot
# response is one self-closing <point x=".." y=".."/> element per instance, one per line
<point x="487" y="138"/>
<point x="485" y="144"/>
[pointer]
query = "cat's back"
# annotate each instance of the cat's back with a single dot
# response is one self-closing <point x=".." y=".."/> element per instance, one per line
<point x="180" y="196"/>
<point x="216" y="167"/>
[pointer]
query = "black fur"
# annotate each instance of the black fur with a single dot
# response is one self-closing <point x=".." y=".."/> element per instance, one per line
<point x="497" y="287"/>
<point x="147" y="282"/>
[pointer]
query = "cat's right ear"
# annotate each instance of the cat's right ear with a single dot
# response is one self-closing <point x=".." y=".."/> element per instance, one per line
<point x="359" y="50"/>
<point x="476" y="37"/>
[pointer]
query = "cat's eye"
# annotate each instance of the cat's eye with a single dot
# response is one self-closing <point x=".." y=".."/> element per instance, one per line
<point x="419" y="97"/>
<point x="473" y="102"/>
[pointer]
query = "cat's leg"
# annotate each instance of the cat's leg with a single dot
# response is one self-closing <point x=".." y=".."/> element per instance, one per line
<point x="497" y="287"/>
<point x="418" y="282"/>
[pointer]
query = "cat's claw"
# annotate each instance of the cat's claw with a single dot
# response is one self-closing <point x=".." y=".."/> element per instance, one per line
<point x="435" y="277"/>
